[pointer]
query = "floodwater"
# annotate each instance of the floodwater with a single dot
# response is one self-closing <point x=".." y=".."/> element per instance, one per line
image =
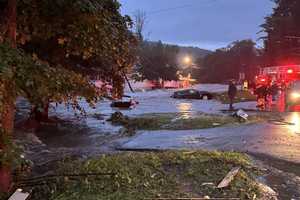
<point x="92" y="131"/>
<point x="91" y="135"/>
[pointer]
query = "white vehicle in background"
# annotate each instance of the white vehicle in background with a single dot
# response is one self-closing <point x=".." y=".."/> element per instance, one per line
<point x="292" y="96"/>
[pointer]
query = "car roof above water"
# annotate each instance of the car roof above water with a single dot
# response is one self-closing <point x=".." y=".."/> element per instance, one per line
<point x="187" y="90"/>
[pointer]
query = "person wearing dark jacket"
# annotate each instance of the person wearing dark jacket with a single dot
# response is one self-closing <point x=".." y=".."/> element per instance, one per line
<point x="232" y="90"/>
<point x="261" y="92"/>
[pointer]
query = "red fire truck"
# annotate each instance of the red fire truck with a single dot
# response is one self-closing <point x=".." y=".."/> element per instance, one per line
<point x="282" y="75"/>
<point x="287" y="78"/>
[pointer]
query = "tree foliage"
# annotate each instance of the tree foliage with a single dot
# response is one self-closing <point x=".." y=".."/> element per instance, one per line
<point x="158" y="61"/>
<point x="39" y="82"/>
<point x="86" y="28"/>
<point x="82" y="35"/>
<point x="227" y="63"/>
<point x="282" y="43"/>
<point x="61" y="39"/>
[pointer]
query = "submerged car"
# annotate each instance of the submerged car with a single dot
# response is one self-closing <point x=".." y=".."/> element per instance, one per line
<point x="292" y="96"/>
<point x="125" y="103"/>
<point x="192" y="94"/>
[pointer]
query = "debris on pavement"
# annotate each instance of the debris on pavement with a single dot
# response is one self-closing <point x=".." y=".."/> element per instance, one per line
<point x="118" y="118"/>
<point x="207" y="184"/>
<point x="241" y="115"/>
<point x="267" y="191"/>
<point x="229" y="178"/>
<point x="19" y="195"/>
<point x="217" y="124"/>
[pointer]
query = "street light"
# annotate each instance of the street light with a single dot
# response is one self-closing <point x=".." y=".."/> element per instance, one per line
<point x="187" y="60"/>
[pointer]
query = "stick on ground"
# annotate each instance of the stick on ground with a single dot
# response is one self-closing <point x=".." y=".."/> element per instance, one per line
<point x="229" y="177"/>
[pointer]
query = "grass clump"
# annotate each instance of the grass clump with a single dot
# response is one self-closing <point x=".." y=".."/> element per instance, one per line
<point x="171" y="174"/>
<point x="175" y="121"/>
<point x="146" y="122"/>
<point x="242" y="96"/>
<point x="200" y="122"/>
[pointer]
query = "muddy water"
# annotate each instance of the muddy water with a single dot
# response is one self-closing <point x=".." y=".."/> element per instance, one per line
<point x="92" y="129"/>
<point x="92" y="134"/>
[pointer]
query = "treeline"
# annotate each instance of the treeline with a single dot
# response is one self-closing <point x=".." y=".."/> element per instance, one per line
<point x="281" y="47"/>
<point x="157" y="61"/>
<point x="161" y="61"/>
<point x="227" y="63"/>
<point x="282" y="43"/>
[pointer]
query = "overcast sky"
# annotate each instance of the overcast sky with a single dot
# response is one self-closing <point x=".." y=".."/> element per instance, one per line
<point x="208" y="24"/>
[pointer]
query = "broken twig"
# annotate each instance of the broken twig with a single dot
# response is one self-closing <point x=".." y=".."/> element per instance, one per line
<point x="229" y="177"/>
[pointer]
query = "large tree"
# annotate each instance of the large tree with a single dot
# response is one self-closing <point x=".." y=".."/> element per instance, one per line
<point x="79" y="34"/>
<point x="85" y="36"/>
<point x="227" y="63"/>
<point x="282" y="43"/>
<point x="54" y="37"/>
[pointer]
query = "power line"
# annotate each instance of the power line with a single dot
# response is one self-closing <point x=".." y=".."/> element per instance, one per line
<point x="169" y="9"/>
<point x="176" y="8"/>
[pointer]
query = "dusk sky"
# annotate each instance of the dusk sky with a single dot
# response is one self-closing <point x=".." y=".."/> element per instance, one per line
<point x="208" y="24"/>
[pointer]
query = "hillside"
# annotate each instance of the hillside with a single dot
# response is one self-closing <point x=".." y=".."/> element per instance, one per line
<point x="195" y="52"/>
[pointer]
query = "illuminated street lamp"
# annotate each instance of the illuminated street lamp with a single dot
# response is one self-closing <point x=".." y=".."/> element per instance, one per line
<point x="187" y="60"/>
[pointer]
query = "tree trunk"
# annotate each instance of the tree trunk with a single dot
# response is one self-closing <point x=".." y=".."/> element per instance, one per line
<point x="117" y="83"/>
<point x="128" y="82"/>
<point x="12" y="22"/>
<point x="5" y="178"/>
<point x="8" y="116"/>
<point x="41" y="113"/>
<point x="8" y="112"/>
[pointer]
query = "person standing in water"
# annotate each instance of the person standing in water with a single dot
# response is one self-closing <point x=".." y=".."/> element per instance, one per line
<point x="232" y="91"/>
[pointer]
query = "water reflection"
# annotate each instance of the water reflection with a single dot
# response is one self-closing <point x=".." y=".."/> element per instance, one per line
<point x="295" y="119"/>
<point x="185" y="109"/>
<point x="280" y="104"/>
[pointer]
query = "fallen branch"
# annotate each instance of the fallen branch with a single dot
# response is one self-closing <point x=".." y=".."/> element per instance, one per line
<point x="42" y="178"/>
<point x="229" y="177"/>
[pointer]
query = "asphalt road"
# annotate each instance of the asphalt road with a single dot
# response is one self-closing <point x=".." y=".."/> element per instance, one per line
<point x="276" y="139"/>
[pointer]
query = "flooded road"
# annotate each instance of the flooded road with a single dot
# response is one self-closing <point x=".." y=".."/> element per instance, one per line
<point x="91" y="135"/>
<point x="281" y="141"/>
<point x="276" y="138"/>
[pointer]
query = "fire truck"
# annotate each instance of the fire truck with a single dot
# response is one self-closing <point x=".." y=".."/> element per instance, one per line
<point x="281" y="75"/>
